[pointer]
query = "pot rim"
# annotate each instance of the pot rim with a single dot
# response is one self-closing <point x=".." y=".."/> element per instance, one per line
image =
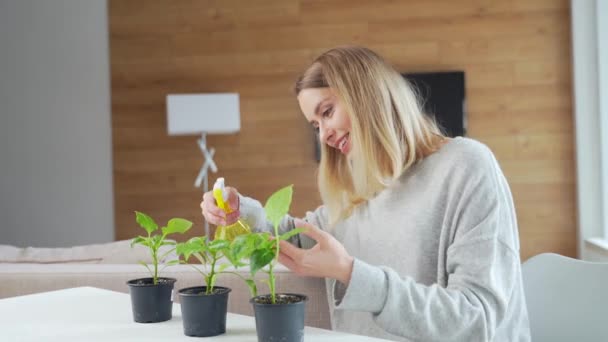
<point x="182" y="294"/>
<point x="302" y="296"/>
<point x="133" y="282"/>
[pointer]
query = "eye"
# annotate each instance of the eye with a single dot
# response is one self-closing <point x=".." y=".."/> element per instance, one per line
<point x="328" y="112"/>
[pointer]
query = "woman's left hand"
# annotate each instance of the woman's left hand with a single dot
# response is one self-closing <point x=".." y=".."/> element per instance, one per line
<point x="327" y="259"/>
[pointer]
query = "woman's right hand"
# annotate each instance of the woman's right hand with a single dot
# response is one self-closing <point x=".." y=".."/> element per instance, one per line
<point x="214" y="215"/>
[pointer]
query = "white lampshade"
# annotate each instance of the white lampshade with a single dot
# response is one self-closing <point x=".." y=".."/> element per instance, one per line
<point x="189" y="114"/>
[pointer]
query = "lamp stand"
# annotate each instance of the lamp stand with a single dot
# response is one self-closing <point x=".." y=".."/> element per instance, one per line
<point x="203" y="174"/>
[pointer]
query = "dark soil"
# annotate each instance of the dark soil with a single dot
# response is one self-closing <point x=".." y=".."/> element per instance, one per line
<point x="281" y="299"/>
<point x="150" y="281"/>
<point x="201" y="291"/>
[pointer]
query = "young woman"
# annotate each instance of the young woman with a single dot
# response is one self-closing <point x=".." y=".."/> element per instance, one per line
<point x="417" y="234"/>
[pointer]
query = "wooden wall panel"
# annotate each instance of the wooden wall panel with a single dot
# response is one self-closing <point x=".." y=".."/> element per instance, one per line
<point x="516" y="55"/>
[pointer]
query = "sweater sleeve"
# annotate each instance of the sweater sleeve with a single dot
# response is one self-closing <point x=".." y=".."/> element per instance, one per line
<point x="253" y="212"/>
<point x="482" y="265"/>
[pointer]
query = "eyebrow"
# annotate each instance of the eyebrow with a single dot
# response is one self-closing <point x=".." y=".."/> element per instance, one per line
<point x="319" y="105"/>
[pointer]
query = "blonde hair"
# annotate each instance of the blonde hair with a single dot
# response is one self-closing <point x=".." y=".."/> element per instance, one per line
<point x="389" y="131"/>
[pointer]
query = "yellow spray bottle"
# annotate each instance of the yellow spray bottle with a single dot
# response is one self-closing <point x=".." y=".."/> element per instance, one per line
<point x="231" y="231"/>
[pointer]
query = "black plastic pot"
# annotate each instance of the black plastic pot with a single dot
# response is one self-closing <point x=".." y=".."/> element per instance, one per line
<point x="151" y="303"/>
<point x="280" y="322"/>
<point x="204" y="315"/>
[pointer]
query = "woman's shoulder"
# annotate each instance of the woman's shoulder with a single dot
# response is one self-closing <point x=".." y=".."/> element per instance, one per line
<point x="460" y="158"/>
<point x="466" y="152"/>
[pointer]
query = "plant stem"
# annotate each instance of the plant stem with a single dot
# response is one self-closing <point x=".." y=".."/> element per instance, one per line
<point x="271" y="279"/>
<point x="276" y="239"/>
<point x="271" y="284"/>
<point x="155" y="261"/>
<point x="250" y="283"/>
<point x="155" y="257"/>
<point x="211" y="274"/>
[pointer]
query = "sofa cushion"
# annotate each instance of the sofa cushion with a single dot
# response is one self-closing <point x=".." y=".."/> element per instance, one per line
<point x="118" y="252"/>
<point x="22" y="279"/>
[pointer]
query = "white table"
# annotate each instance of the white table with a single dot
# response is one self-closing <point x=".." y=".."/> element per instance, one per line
<point x="91" y="314"/>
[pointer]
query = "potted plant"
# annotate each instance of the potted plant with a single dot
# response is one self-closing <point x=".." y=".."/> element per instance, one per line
<point x="278" y="316"/>
<point x="152" y="297"/>
<point x="204" y="308"/>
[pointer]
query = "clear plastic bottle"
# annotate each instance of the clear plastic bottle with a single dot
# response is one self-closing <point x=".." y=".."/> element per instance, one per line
<point x="228" y="232"/>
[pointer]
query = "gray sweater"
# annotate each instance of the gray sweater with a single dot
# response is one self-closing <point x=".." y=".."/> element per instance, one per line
<point x="436" y="254"/>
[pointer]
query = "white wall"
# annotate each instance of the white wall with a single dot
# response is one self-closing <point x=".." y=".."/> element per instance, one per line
<point x="55" y="136"/>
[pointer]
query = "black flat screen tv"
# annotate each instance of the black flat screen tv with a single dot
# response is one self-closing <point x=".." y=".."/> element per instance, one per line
<point x="443" y="96"/>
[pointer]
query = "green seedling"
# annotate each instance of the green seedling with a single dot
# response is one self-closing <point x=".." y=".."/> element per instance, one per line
<point x="154" y="242"/>
<point x="207" y="253"/>
<point x="262" y="249"/>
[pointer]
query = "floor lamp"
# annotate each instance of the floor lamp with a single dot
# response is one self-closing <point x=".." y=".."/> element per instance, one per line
<point x="193" y="114"/>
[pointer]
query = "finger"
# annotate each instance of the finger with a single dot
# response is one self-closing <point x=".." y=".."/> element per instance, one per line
<point x="214" y="219"/>
<point x="233" y="198"/>
<point x="290" y="250"/>
<point x="211" y="204"/>
<point x="233" y="217"/>
<point x="287" y="261"/>
<point x="213" y="209"/>
<point x="208" y="197"/>
<point x="218" y="221"/>
<point x="311" y="231"/>
<point x="299" y="223"/>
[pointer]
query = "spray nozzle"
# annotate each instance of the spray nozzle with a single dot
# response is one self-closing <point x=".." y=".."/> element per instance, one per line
<point x="221" y="186"/>
<point x="221" y="195"/>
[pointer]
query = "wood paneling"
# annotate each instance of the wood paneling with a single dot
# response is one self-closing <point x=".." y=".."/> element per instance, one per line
<point x="516" y="55"/>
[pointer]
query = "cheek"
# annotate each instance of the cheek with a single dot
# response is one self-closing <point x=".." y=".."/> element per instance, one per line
<point x="346" y="122"/>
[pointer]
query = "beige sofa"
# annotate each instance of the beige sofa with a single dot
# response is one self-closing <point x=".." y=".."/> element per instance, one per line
<point x="110" y="266"/>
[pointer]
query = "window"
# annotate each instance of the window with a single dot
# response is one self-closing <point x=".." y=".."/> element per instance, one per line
<point x="590" y="67"/>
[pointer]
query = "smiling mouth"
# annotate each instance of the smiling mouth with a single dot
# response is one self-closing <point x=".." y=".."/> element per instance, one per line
<point x="343" y="142"/>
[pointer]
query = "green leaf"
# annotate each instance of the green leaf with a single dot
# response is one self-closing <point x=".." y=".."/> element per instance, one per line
<point x="188" y="248"/>
<point x="222" y="268"/>
<point x="243" y="245"/>
<point x="252" y="287"/>
<point x="277" y="205"/>
<point x="230" y="256"/>
<point x="181" y="248"/>
<point x="267" y="244"/>
<point x="218" y="245"/>
<point x="202" y="258"/>
<point x="236" y="262"/>
<point x="291" y="233"/>
<point x="239" y="244"/>
<point x="270" y="242"/>
<point x="140" y="240"/>
<point x="146" y="222"/>
<point x="172" y="262"/>
<point x="239" y="264"/>
<point x="155" y="242"/>
<point x="260" y="258"/>
<point x="261" y="239"/>
<point x="177" y="225"/>
<point x="199" y="241"/>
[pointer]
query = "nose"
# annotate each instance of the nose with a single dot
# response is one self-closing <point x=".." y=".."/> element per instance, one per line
<point x="325" y="134"/>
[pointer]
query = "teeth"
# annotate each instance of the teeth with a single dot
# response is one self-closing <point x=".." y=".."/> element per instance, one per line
<point x="343" y="143"/>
